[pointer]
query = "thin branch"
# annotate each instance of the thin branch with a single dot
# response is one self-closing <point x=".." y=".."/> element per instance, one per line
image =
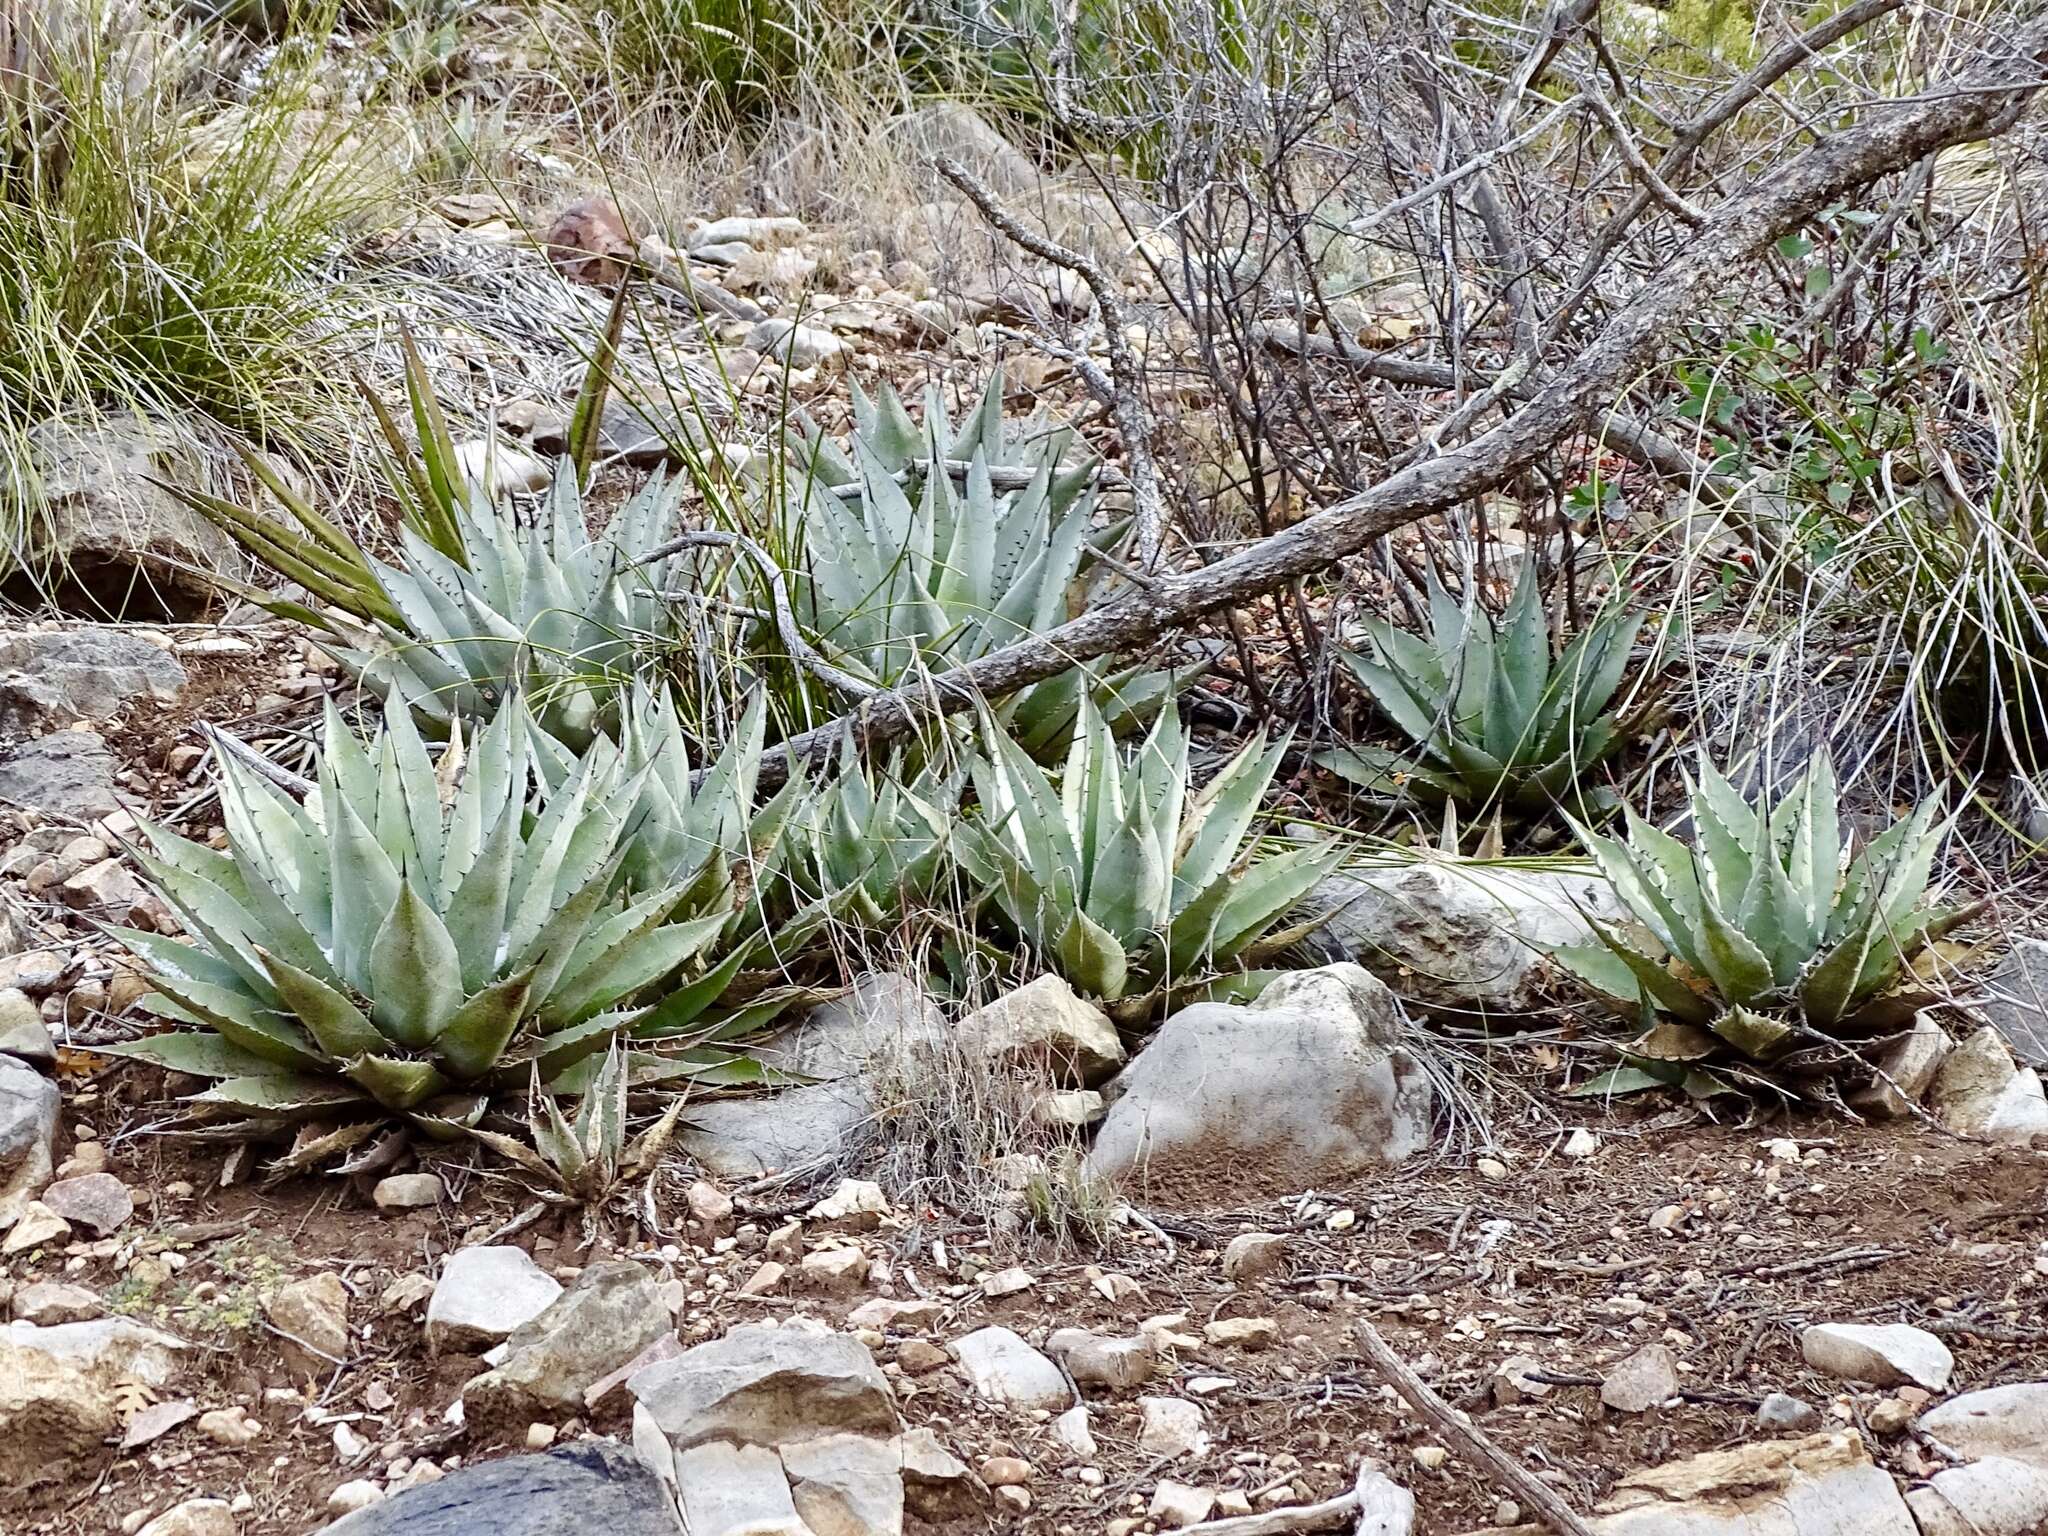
<point x="1529" y="1490"/>
<point x="1123" y="392"/>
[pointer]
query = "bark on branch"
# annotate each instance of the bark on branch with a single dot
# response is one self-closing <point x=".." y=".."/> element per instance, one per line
<point x="1983" y="101"/>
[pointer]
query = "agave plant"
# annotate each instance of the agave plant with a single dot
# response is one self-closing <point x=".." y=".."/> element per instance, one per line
<point x="583" y="1159"/>
<point x="882" y="838"/>
<point x="1762" y="935"/>
<point x="1496" y="718"/>
<point x="404" y="943"/>
<point x="1118" y="877"/>
<point x="480" y="604"/>
<point x="930" y="547"/>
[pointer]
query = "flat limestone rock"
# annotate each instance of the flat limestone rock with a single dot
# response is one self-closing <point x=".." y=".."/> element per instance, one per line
<point x="1885" y="1355"/>
<point x="766" y="1385"/>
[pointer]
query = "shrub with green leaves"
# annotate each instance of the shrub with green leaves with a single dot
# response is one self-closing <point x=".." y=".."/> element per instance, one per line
<point x="1119" y="877"/>
<point x="1761" y="936"/>
<point x="909" y="566"/>
<point x="1497" y="719"/>
<point x="405" y="943"/>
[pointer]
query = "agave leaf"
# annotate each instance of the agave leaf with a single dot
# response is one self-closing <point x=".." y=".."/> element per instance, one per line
<point x="1741" y="972"/>
<point x="1619" y="1082"/>
<point x="244" y="1022"/>
<point x="393" y="1082"/>
<point x="1092" y="958"/>
<point x="1656" y="980"/>
<point x="330" y="1018"/>
<point x="476" y="1034"/>
<point x="1755" y="1035"/>
<point x="196" y="1054"/>
<point x="415" y="972"/>
<point x="282" y="1095"/>
<point x="1392" y="695"/>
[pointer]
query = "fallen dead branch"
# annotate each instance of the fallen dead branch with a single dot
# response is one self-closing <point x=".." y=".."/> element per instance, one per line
<point x="1464" y="1436"/>
<point x="1977" y="104"/>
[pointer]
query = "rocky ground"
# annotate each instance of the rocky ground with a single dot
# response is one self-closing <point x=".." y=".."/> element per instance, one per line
<point x="1679" y="1323"/>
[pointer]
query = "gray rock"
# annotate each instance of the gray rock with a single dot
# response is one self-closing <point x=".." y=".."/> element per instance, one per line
<point x="591" y="1485"/>
<point x="759" y="233"/>
<point x="612" y="1313"/>
<point x="1003" y="1369"/>
<point x="23" y="1035"/>
<point x="1045" y="1025"/>
<point x="28" y="1136"/>
<point x="639" y="434"/>
<point x="1782" y="1411"/>
<point x="2017" y="1003"/>
<point x="1179" y="1505"/>
<point x="885" y="1018"/>
<point x="1171" y="1426"/>
<point x="1885" y="1355"/>
<point x="766" y="1385"/>
<point x="2009" y="1421"/>
<point x="409" y="1192"/>
<point x="1905" y="1071"/>
<point x="50" y="678"/>
<point x="958" y="132"/>
<point x="1464" y="937"/>
<point x="1098" y="1362"/>
<point x="1822" y="1485"/>
<point x="312" y="1314"/>
<point x="1250" y="1257"/>
<point x="846" y="1485"/>
<point x="937" y="1485"/>
<point x="96" y="1200"/>
<point x="62" y="1392"/>
<point x="797" y="1128"/>
<point x="68" y="774"/>
<point x="1642" y="1381"/>
<point x="194" y="1517"/>
<point x="1993" y="1497"/>
<point x="1385" y="1508"/>
<point x="734" y="1490"/>
<point x="1310" y="1085"/>
<point x="801" y="346"/>
<point x="483" y="1297"/>
<point x="123" y="542"/>
<point x="1981" y="1091"/>
<point x="50" y="1302"/>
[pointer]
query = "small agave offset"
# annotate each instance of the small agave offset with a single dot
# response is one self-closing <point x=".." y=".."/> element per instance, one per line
<point x="413" y="938"/>
<point x="1761" y="938"/>
<point x="1496" y="719"/>
<point x="1119" y="877"/>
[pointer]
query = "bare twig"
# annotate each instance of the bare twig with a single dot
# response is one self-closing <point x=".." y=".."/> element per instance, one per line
<point x="1122" y="391"/>
<point x="1529" y="1491"/>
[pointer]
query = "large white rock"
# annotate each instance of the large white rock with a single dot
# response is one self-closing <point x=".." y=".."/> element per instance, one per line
<point x="28" y="1136"/>
<point x="1904" y="1072"/>
<point x="767" y="1385"/>
<point x="1981" y="1091"/>
<point x="1459" y="935"/>
<point x="2017" y="1001"/>
<point x="1003" y="1369"/>
<point x="1822" y="1485"/>
<point x="62" y="1391"/>
<point x="1311" y="1084"/>
<point x="1885" y="1355"/>
<point x="1997" y="1421"/>
<point x="846" y="1485"/>
<point x="735" y="1490"/>
<point x="1046" y="1025"/>
<point x="1993" y="1497"/>
<point x="484" y="1296"/>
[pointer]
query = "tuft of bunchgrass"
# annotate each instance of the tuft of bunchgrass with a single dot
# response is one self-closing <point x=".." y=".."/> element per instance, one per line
<point x="163" y="248"/>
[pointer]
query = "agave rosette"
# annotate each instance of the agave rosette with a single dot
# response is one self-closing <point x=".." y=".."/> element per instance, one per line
<point x="412" y="937"/>
<point x="1119" y="877"/>
<point x="1766" y="933"/>
<point x="1495" y="717"/>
